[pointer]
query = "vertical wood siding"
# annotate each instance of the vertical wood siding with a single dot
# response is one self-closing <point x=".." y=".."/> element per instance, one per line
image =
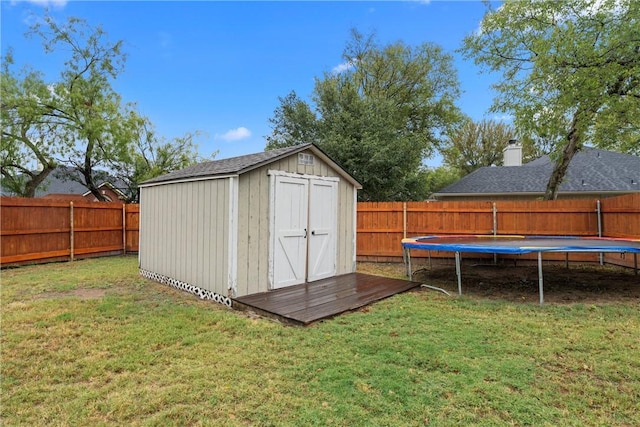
<point x="184" y="232"/>
<point x="253" y="227"/>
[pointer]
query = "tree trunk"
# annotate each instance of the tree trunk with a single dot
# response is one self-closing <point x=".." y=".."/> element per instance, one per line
<point x="561" y="166"/>
<point x="36" y="179"/>
<point x="87" y="173"/>
<point x="91" y="185"/>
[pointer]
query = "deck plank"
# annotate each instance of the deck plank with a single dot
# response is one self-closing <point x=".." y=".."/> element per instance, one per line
<point x="307" y="303"/>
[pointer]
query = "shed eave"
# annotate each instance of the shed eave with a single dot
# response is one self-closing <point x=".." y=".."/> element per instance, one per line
<point x="191" y="179"/>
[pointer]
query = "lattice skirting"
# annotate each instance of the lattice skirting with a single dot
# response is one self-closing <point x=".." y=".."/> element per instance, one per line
<point x="202" y="293"/>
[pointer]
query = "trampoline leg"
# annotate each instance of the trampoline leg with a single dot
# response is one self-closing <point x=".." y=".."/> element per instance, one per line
<point x="458" y="273"/>
<point x="407" y="255"/>
<point x="540" y="279"/>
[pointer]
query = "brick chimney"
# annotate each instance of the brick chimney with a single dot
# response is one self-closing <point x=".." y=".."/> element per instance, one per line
<point x="512" y="154"/>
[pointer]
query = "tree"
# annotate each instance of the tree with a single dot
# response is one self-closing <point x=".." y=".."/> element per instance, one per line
<point x="571" y="72"/>
<point x="475" y="145"/>
<point x="79" y="120"/>
<point x="438" y="178"/>
<point x="380" y="117"/>
<point x="293" y="123"/>
<point x="27" y="155"/>
<point x="95" y="124"/>
<point x="151" y="156"/>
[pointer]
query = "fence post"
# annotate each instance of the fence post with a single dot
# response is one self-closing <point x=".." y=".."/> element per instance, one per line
<point x="404" y="220"/>
<point x="495" y="219"/>
<point x="71" y="237"/>
<point x="124" y="229"/>
<point x="495" y="230"/>
<point x="600" y="227"/>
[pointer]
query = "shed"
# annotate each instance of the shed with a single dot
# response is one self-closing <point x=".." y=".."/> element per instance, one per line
<point x="244" y="225"/>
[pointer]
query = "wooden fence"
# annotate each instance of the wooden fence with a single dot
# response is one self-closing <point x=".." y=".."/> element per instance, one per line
<point x="40" y="230"/>
<point x="382" y="225"/>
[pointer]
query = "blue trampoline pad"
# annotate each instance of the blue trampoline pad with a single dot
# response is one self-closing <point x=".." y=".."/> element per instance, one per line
<point x="520" y="244"/>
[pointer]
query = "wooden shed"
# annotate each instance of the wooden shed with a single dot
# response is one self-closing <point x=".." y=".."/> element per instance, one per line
<point x="249" y="224"/>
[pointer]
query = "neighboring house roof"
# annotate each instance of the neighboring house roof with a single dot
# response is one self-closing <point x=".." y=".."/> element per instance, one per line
<point x="64" y="180"/>
<point x="591" y="171"/>
<point x="242" y="164"/>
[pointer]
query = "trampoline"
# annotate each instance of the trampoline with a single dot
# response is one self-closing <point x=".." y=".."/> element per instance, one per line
<point x="494" y="244"/>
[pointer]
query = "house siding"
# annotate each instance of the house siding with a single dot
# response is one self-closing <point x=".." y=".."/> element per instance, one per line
<point x="184" y="232"/>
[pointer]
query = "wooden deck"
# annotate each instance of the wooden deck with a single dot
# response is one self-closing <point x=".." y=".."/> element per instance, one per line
<point x="309" y="302"/>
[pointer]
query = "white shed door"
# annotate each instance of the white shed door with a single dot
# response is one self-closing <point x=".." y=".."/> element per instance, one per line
<point x="323" y="218"/>
<point x="305" y="224"/>
<point x="291" y="222"/>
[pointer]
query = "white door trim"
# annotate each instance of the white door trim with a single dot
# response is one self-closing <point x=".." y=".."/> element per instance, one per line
<point x="272" y="220"/>
<point x="232" y="267"/>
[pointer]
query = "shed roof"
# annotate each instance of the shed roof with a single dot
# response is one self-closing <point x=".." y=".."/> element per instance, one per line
<point x="591" y="170"/>
<point x="242" y="164"/>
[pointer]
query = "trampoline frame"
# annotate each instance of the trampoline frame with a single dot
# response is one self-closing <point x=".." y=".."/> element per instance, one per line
<point x="429" y="243"/>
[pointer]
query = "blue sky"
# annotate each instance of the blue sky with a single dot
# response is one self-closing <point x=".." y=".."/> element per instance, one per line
<point x="219" y="67"/>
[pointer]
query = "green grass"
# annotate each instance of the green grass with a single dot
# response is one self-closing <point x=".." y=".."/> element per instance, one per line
<point x="141" y="353"/>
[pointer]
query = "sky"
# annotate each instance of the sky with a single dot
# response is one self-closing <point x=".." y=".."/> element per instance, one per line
<point x="219" y="67"/>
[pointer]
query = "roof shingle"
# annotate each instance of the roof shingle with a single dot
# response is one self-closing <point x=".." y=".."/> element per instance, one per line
<point x="232" y="165"/>
<point x="590" y="170"/>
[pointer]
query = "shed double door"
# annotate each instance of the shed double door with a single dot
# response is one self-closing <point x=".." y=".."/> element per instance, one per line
<point x="305" y="228"/>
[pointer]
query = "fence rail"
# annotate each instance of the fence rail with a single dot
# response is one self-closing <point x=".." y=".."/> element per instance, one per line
<point x="39" y="230"/>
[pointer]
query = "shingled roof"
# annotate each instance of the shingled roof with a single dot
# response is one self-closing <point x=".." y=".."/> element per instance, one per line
<point x="590" y="171"/>
<point x="241" y="164"/>
<point x="66" y="180"/>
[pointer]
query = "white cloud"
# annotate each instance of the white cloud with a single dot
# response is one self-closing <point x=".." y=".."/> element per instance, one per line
<point x="46" y="3"/>
<point x="345" y="66"/>
<point x="503" y="117"/>
<point x="235" y="134"/>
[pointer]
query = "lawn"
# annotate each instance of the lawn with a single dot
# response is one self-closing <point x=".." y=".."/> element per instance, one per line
<point x="93" y="343"/>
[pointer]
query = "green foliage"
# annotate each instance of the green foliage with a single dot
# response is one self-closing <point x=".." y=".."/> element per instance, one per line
<point x="438" y="178"/>
<point x="293" y="123"/>
<point x="476" y="144"/>
<point x="152" y="155"/>
<point x="95" y="125"/>
<point x="379" y="118"/>
<point x="570" y="72"/>
<point x="27" y="153"/>
<point x="79" y="120"/>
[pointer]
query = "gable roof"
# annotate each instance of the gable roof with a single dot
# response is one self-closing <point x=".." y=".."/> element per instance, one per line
<point x="242" y="164"/>
<point x="591" y="171"/>
<point x="65" y="180"/>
